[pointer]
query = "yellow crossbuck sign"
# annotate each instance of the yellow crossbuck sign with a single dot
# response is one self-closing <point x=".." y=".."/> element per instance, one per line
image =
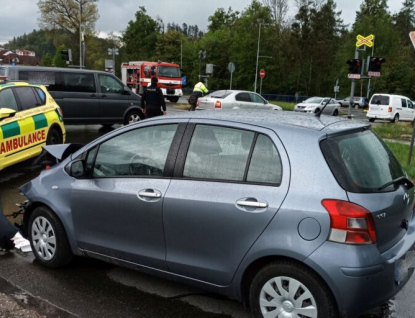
<point x="361" y="40"/>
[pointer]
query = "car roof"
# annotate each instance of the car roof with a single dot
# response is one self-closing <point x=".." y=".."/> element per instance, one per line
<point x="277" y="119"/>
<point x="54" y="69"/>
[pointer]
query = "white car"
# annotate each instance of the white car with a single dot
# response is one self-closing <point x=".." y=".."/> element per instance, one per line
<point x="315" y="104"/>
<point x="232" y="99"/>
<point x="391" y="107"/>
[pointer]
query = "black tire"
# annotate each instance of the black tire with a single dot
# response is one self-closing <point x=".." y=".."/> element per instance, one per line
<point x="372" y="120"/>
<point x="395" y="118"/>
<point x="317" y="111"/>
<point x="133" y="116"/>
<point x="54" y="137"/>
<point x="336" y="112"/>
<point x="52" y="255"/>
<point x="321" y="297"/>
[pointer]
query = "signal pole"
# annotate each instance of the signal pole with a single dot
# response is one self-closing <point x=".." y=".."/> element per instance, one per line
<point x="349" y="113"/>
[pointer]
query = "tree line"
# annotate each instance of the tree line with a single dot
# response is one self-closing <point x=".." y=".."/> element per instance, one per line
<point x="304" y="54"/>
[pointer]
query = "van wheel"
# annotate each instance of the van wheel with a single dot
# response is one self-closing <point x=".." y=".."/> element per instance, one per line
<point x="48" y="238"/>
<point x="54" y="137"/>
<point x="395" y="119"/>
<point x="132" y="117"/>
<point x="287" y="289"/>
<point x="372" y="120"/>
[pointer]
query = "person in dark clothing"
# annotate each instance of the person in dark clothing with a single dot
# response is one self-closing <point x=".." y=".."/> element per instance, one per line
<point x="10" y="237"/>
<point x="152" y="100"/>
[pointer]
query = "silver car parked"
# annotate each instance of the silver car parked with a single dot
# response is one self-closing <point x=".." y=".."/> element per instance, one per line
<point x="232" y="99"/>
<point x="315" y="104"/>
<point x="224" y="201"/>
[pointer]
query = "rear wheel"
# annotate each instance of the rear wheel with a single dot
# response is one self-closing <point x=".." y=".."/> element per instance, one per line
<point x="372" y="120"/>
<point x="286" y="289"/>
<point x="54" y="137"/>
<point x="336" y="112"/>
<point x="395" y="119"/>
<point x="48" y="238"/>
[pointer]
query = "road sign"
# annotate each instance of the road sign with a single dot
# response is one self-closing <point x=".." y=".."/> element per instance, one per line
<point x="262" y="73"/>
<point x="362" y="40"/>
<point x="336" y="89"/>
<point x="374" y="74"/>
<point x="353" y="76"/>
<point x="231" y="67"/>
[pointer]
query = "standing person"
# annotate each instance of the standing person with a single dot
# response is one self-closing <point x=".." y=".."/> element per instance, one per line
<point x="153" y="101"/>
<point x="198" y="91"/>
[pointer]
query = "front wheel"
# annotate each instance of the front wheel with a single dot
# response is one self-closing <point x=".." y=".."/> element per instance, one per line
<point x="336" y="112"/>
<point x="372" y="120"/>
<point x="286" y="289"/>
<point x="54" y="137"/>
<point x="48" y="238"/>
<point x="132" y="117"/>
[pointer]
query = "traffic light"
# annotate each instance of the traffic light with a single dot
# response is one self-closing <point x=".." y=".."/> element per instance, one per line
<point x="67" y="55"/>
<point x="355" y="66"/>
<point x="375" y="65"/>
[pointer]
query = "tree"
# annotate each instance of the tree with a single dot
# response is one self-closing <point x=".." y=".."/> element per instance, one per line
<point x="64" y="14"/>
<point x="405" y="20"/>
<point x="58" y="60"/>
<point x="140" y="36"/>
<point x="47" y="60"/>
<point x="279" y="9"/>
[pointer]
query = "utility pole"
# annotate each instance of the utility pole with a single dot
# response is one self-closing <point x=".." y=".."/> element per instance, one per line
<point x="370" y="77"/>
<point x="349" y="114"/>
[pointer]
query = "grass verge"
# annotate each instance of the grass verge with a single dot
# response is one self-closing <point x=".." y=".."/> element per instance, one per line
<point x="401" y="152"/>
<point x="398" y="131"/>
<point x="283" y="105"/>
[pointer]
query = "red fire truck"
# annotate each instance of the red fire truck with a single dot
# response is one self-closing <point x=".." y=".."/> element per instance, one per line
<point x="137" y="76"/>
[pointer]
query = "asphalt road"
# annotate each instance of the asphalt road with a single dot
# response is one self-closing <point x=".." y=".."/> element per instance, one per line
<point x="90" y="288"/>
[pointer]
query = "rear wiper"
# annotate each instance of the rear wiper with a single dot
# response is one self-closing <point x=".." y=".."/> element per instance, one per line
<point x="400" y="180"/>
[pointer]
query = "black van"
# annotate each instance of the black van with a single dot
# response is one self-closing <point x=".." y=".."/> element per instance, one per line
<point x="85" y="96"/>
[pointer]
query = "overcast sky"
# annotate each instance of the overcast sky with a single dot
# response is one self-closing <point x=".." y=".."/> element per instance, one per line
<point x="20" y="16"/>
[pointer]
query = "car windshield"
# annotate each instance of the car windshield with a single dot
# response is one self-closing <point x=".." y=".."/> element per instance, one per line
<point x="313" y="100"/>
<point x="220" y="94"/>
<point x="169" y="71"/>
<point x="361" y="162"/>
<point x="380" y="100"/>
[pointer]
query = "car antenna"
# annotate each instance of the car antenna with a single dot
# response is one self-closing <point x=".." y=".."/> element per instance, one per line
<point x="321" y="111"/>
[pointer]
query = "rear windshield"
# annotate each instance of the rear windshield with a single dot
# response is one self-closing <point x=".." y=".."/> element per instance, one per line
<point x="361" y="162"/>
<point x="380" y="100"/>
<point x="220" y="94"/>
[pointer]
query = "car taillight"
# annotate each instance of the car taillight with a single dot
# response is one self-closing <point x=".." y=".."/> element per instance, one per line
<point x="390" y="109"/>
<point x="218" y="104"/>
<point x="350" y="223"/>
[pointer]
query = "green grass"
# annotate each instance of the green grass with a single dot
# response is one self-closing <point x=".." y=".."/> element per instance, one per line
<point x="283" y="105"/>
<point x="401" y="152"/>
<point x="398" y="131"/>
<point x="182" y="106"/>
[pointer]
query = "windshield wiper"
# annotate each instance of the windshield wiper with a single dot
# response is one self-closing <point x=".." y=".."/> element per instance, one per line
<point x="400" y="180"/>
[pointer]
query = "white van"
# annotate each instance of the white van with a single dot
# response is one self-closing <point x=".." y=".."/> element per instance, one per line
<point x="390" y="107"/>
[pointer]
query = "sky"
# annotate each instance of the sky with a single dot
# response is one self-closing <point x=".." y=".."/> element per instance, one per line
<point x="22" y="15"/>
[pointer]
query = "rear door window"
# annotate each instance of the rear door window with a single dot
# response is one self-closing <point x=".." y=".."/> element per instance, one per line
<point x="243" y="97"/>
<point x="7" y="99"/>
<point x="403" y="102"/>
<point x="361" y="162"/>
<point x="380" y="100"/>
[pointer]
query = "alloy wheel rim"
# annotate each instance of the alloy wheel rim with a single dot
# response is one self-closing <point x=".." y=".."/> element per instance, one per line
<point x="43" y="238"/>
<point x="134" y="118"/>
<point x="286" y="297"/>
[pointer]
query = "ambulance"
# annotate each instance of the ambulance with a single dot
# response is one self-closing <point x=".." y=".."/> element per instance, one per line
<point x="29" y="119"/>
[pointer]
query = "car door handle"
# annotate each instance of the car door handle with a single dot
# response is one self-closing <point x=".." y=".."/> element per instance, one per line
<point x="93" y="95"/>
<point x="149" y="194"/>
<point x="252" y="204"/>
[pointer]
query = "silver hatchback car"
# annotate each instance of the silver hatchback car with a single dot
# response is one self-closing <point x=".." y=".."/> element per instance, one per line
<point x="224" y="201"/>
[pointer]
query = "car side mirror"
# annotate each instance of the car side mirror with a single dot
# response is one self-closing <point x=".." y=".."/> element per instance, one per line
<point x="77" y="168"/>
<point x="6" y="113"/>
<point x="126" y="91"/>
